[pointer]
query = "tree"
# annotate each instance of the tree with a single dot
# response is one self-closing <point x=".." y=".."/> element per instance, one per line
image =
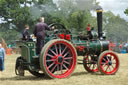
<point x="126" y="11"/>
<point x="16" y="12"/>
<point x="77" y="16"/>
<point x="115" y="27"/>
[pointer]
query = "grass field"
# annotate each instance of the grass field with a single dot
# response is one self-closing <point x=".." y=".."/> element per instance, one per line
<point x="79" y="77"/>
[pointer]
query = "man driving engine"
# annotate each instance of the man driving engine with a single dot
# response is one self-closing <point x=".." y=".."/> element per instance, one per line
<point x="39" y="32"/>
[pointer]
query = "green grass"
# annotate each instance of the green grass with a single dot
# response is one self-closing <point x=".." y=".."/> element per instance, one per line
<point x="79" y="77"/>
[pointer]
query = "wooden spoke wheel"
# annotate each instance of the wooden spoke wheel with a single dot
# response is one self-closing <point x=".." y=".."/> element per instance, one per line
<point x="90" y="64"/>
<point x="108" y="62"/>
<point x="58" y="58"/>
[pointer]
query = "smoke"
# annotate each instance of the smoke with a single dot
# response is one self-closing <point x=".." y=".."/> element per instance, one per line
<point x="85" y="4"/>
<point x="39" y="10"/>
<point x="65" y="6"/>
<point x="80" y="4"/>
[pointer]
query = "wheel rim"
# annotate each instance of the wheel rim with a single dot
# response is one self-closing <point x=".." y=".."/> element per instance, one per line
<point x="90" y="64"/>
<point x="109" y="63"/>
<point x="60" y="59"/>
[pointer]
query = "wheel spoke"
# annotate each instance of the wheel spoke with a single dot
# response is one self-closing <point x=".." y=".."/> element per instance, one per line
<point x="104" y="65"/>
<point x="65" y="67"/>
<point x="66" y="54"/>
<point x="50" y="56"/>
<point x="51" y="60"/>
<point x="88" y="59"/>
<point x="67" y="58"/>
<point x="112" y="66"/>
<point x="104" y="60"/>
<point x="53" y="52"/>
<point x="60" y="48"/>
<point x="51" y="65"/>
<point x="53" y="68"/>
<point x="67" y="62"/>
<point x="113" y="59"/>
<point x="61" y="69"/>
<point x="93" y="66"/>
<point x="107" y="68"/>
<point x="64" y="50"/>
<point x="107" y="58"/>
<point x="90" y="66"/>
<point x="56" y="49"/>
<point x="114" y="63"/>
<point x="58" y="69"/>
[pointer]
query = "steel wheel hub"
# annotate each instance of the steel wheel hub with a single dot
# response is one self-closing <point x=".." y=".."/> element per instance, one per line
<point x="60" y="59"/>
<point x="109" y="63"/>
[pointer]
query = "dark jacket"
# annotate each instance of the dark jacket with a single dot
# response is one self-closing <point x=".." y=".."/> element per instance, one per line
<point x="26" y="35"/>
<point x="40" y="29"/>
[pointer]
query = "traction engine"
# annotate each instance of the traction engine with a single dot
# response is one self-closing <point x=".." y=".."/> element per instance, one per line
<point x="58" y="57"/>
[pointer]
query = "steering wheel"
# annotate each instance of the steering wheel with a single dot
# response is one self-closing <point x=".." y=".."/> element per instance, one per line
<point x="59" y="30"/>
<point x="57" y="24"/>
<point x="58" y="27"/>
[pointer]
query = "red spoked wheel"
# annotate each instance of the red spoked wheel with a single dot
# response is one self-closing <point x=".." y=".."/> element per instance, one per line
<point x="58" y="58"/>
<point x="108" y="62"/>
<point x="90" y="64"/>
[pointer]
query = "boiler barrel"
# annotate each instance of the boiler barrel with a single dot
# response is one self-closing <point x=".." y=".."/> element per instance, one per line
<point x="92" y="47"/>
<point x="97" y="47"/>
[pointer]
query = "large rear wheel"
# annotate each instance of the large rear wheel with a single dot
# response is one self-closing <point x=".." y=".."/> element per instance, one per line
<point x="58" y="58"/>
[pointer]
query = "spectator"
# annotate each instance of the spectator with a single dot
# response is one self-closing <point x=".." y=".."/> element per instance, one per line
<point x="2" y="57"/>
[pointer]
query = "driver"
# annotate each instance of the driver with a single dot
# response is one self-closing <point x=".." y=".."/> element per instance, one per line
<point x="39" y="32"/>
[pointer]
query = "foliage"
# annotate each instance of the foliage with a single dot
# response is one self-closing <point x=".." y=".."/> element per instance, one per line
<point x="10" y="35"/>
<point x="74" y="14"/>
<point x="126" y="11"/>
<point x="115" y="27"/>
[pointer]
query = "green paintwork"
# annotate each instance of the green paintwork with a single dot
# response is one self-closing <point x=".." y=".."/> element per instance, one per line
<point x="91" y="47"/>
<point x="28" y="50"/>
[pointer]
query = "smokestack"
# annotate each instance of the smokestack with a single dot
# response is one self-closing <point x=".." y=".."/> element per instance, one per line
<point x="99" y="21"/>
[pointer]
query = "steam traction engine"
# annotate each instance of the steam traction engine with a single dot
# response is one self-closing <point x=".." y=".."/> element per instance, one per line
<point x="58" y="57"/>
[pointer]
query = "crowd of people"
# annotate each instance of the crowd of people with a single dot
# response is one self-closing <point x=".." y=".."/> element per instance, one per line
<point x="120" y="47"/>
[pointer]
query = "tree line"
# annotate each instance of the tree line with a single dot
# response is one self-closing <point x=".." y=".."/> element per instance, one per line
<point x="74" y="14"/>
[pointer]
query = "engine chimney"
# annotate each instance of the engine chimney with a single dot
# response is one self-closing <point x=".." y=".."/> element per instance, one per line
<point x="99" y="21"/>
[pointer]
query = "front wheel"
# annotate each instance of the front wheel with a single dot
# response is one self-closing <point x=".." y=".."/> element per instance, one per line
<point x="58" y="58"/>
<point x="108" y="62"/>
<point x="90" y="64"/>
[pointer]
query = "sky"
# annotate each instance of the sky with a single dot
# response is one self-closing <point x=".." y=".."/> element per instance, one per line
<point x="116" y="6"/>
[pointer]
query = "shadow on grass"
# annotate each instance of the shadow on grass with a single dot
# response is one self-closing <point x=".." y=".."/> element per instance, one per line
<point x="79" y="73"/>
<point x="18" y="78"/>
<point x="85" y="73"/>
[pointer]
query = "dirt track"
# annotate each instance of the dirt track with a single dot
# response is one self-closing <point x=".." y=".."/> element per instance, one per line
<point x="79" y="76"/>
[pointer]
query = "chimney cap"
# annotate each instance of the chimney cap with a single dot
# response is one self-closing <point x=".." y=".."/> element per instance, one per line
<point x="99" y="10"/>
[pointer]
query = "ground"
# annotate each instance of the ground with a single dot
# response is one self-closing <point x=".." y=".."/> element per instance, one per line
<point x="79" y="77"/>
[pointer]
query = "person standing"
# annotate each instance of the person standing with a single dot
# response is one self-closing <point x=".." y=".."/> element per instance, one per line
<point x="39" y="32"/>
<point x="2" y="57"/>
<point x="26" y="35"/>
